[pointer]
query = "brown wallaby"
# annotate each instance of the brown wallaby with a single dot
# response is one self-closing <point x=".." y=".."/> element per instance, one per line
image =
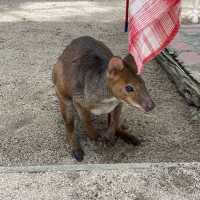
<point x="89" y="79"/>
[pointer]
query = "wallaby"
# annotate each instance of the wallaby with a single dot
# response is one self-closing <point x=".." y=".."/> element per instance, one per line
<point x="90" y="80"/>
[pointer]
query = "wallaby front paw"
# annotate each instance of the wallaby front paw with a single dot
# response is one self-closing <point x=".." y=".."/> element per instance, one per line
<point x="78" y="154"/>
<point x="94" y="137"/>
<point x="109" y="137"/>
<point x="128" y="138"/>
<point x="124" y="127"/>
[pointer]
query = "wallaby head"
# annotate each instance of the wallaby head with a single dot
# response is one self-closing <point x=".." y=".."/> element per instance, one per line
<point x="126" y="84"/>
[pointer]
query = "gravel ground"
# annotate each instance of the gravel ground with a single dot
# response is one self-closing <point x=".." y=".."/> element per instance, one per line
<point x="155" y="183"/>
<point x="32" y="35"/>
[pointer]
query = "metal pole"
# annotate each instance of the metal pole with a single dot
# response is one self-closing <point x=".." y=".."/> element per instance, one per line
<point x="126" y="16"/>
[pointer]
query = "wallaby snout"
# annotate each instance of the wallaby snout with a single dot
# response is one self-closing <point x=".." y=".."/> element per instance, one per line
<point x="148" y="104"/>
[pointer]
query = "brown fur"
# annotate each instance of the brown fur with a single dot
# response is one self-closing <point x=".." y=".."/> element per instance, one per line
<point x="89" y="79"/>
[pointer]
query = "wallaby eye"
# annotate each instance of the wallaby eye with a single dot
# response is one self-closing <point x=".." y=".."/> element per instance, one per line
<point x="129" y="88"/>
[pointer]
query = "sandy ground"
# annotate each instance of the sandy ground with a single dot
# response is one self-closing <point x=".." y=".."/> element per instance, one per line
<point x="32" y="35"/>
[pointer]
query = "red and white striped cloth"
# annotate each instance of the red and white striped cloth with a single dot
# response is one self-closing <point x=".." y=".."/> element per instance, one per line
<point x="152" y="26"/>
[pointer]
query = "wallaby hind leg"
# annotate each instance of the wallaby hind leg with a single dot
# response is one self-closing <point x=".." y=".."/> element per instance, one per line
<point x="67" y="110"/>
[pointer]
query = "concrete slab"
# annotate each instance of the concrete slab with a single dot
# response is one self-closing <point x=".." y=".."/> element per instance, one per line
<point x="136" y="182"/>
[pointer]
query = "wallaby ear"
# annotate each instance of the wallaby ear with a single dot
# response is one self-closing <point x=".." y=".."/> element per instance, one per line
<point x="129" y="60"/>
<point x="115" y="65"/>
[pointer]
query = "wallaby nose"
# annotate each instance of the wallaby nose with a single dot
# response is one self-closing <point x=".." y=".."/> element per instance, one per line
<point x="149" y="105"/>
